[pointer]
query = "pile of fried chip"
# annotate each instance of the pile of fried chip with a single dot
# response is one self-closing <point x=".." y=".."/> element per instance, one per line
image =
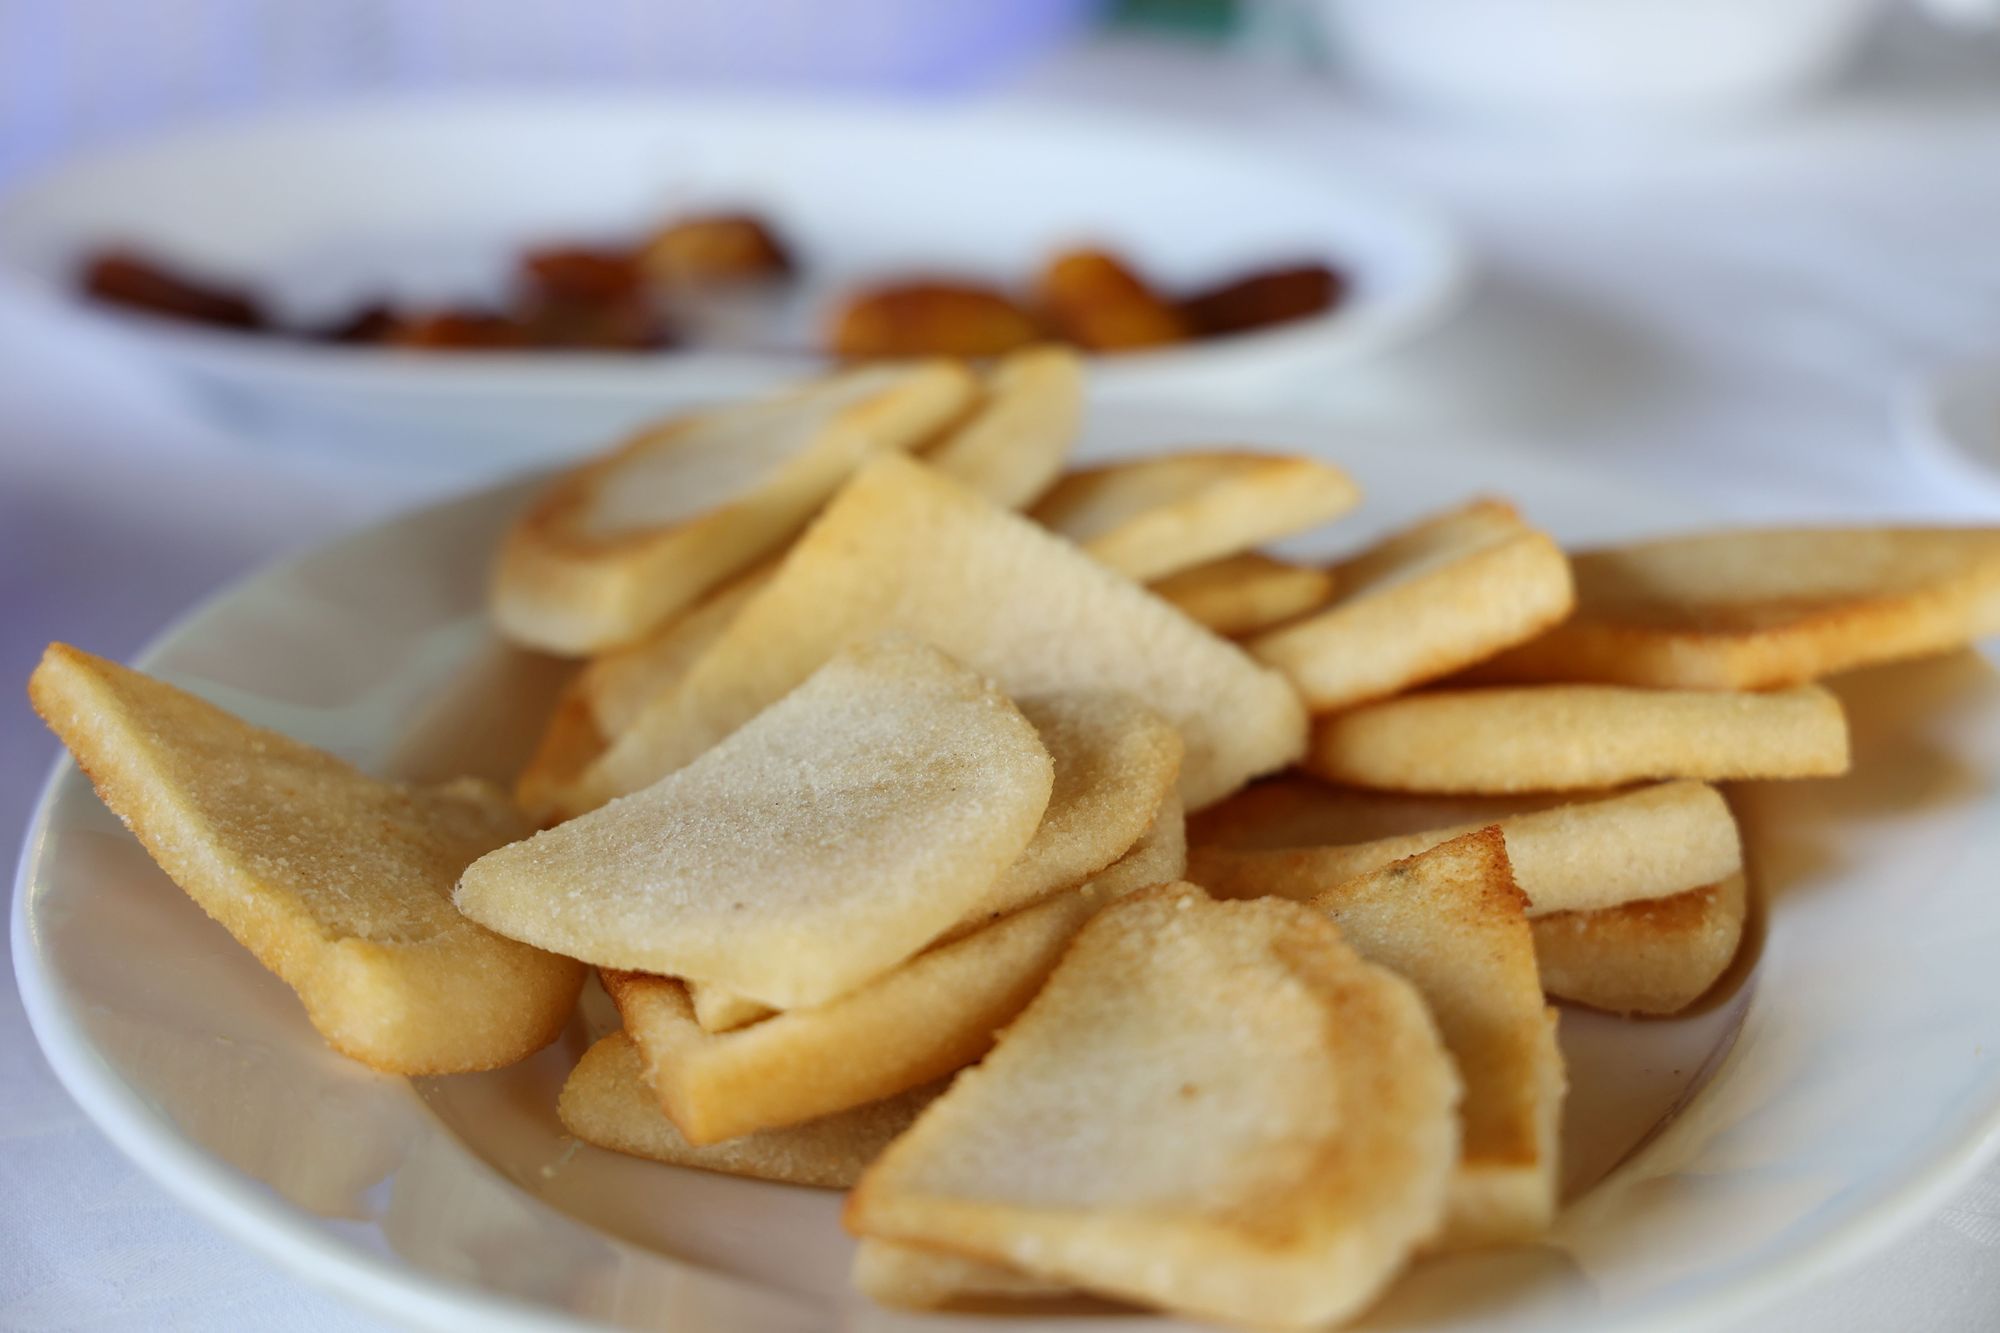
<point x="1113" y="906"/>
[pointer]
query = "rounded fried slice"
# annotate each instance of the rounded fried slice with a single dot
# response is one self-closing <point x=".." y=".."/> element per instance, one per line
<point x="1652" y="957"/>
<point x="1153" y="516"/>
<point x="1242" y="594"/>
<point x="337" y="882"/>
<point x="840" y="831"/>
<point x="1014" y="442"/>
<point x="1565" y="737"/>
<point x="1216" y="1108"/>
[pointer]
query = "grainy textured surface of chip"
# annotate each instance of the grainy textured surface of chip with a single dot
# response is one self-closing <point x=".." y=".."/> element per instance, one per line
<point x="1215" y="1108"/>
<point x="1151" y="517"/>
<point x="844" y="829"/>
<point x="606" y="1102"/>
<point x="337" y="882"/>
<point x="934" y="1014"/>
<point x="1451" y="921"/>
<point x="615" y="547"/>
<point x="1566" y="737"/>
<point x="1574" y="855"/>
<point x="904" y="548"/>
<point x="1755" y="609"/>
<point x="1422" y="604"/>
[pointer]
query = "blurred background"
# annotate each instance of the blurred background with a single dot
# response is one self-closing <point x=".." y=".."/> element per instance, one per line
<point x="1736" y="251"/>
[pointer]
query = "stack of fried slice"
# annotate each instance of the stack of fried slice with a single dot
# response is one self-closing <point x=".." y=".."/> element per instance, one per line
<point x="1224" y="1109"/>
<point x="841" y="902"/>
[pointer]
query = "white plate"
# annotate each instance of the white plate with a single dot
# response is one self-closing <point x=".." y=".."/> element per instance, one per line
<point x="1848" y="1072"/>
<point x="430" y="199"/>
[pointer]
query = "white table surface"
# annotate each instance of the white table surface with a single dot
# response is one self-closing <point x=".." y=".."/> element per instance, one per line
<point x="1736" y="315"/>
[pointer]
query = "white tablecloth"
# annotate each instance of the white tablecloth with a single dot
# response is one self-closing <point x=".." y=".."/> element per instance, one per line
<point x="1738" y="315"/>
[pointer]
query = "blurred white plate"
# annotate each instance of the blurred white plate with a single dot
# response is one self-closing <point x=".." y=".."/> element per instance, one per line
<point x="1845" y="1075"/>
<point x="1951" y="422"/>
<point x="429" y="199"/>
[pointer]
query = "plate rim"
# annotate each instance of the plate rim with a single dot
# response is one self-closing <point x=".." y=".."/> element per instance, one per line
<point x="268" y="1226"/>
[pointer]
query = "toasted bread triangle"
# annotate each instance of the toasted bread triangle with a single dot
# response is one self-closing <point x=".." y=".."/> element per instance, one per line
<point x="337" y="882"/>
<point x="1215" y="1108"/>
<point x="847" y="827"/>
<point x="614" y="548"/>
<point x="904" y="548"/>
<point x="1752" y="610"/>
<point x="1154" y="516"/>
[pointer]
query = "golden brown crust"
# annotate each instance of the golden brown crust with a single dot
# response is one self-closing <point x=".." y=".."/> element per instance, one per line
<point x="1217" y="1108"/>
<point x="1568" y="737"/>
<point x="338" y="883"/>
<point x="1423" y="603"/>
<point x="606" y="1102"/>
<point x="1757" y="610"/>
<point x="1654" y="957"/>
<point x="620" y="544"/>
<point x="1156" y="515"/>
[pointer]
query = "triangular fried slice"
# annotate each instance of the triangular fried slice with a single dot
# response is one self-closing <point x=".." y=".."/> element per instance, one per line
<point x="1154" y="516"/>
<point x="934" y="1014"/>
<point x="903" y="548"/>
<point x="1567" y="737"/>
<point x="1012" y="445"/>
<point x="612" y="689"/>
<point x="1452" y="922"/>
<point x="615" y="547"/>
<point x="1583" y="855"/>
<point x="1420" y="605"/>
<point x="338" y="883"/>
<point x="1115" y="766"/>
<point x="845" y="828"/>
<point x="606" y="1102"/>
<point x="1655" y="957"/>
<point x="1216" y="1108"/>
<point x="1242" y="594"/>
<point x="1751" y="610"/>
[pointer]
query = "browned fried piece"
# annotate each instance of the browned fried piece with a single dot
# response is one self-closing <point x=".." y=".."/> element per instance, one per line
<point x="930" y="318"/>
<point x="716" y="249"/>
<point x="581" y="298"/>
<point x="1095" y="300"/>
<point x="1269" y="296"/>
<point x="338" y="883"/>
<point x="606" y="1102"/>
<point x="1655" y="957"/>
<point x="464" y="330"/>
<point x="1751" y="610"/>
<point x="138" y="282"/>
<point x="1242" y="594"/>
